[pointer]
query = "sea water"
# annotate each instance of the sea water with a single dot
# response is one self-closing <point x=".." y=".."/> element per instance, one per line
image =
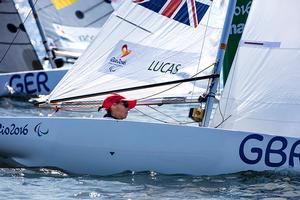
<point x="54" y="184"/>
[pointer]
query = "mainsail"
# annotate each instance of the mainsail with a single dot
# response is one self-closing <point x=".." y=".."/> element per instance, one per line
<point x="146" y="42"/>
<point x="261" y="93"/>
<point x="16" y="50"/>
<point x="72" y="24"/>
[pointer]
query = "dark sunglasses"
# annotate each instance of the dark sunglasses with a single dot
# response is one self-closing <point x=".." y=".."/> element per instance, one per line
<point x="125" y="103"/>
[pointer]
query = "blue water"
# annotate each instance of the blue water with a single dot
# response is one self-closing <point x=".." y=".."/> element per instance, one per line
<point x="52" y="184"/>
<point x="47" y="184"/>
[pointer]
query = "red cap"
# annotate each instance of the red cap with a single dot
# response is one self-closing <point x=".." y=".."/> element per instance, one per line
<point x="110" y="100"/>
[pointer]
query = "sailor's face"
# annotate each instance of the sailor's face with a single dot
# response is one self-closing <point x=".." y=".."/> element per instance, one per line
<point x="119" y="110"/>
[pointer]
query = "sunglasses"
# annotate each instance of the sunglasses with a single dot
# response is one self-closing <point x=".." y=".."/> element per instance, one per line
<point x="125" y="103"/>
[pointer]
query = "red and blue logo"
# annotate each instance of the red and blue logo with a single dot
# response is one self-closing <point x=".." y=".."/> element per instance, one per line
<point x="189" y="12"/>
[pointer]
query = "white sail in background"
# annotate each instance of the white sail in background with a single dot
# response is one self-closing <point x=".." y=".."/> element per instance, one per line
<point x="116" y="3"/>
<point x="162" y="44"/>
<point x="262" y="92"/>
<point x="72" y="24"/>
<point x="16" y="50"/>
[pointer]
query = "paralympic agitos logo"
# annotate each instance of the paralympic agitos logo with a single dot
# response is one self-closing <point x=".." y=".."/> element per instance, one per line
<point x="39" y="130"/>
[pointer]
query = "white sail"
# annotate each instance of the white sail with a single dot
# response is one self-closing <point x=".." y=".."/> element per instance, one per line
<point x="16" y="50"/>
<point x="116" y="3"/>
<point x="262" y="92"/>
<point x="154" y="36"/>
<point x="72" y="24"/>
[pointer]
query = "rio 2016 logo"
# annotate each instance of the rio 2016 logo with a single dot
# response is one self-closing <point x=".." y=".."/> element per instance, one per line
<point x="119" y="61"/>
<point x="14" y="129"/>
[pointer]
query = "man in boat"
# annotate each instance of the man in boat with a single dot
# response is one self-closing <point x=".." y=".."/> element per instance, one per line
<point x="117" y="106"/>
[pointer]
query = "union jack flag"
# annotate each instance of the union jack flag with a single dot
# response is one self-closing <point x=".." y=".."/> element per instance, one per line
<point x="189" y="12"/>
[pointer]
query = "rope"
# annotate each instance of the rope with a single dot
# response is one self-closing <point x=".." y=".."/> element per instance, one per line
<point x="203" y="44"/>
<point x="164" y="114"/>
<point x="222" y="121"/>
<point x="178" y="122"/>
<point x="151" y="116"/>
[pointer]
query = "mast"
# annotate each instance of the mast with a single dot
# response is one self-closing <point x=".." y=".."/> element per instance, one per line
<point x="217" y="69"/>
<point x="48" y="51"/>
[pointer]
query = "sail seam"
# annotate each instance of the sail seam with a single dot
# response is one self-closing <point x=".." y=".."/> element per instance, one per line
<point x="19" y="43"/>
<point x="271" y="120"/>
<point x="9" y="13"/>
<point x="133" y="24"/>
<point x="259" y="102"/>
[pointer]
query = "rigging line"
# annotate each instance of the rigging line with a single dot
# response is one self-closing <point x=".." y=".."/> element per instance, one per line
<point x="17" y="33"/>
<point x="205" y="32"/>
<point x="151" y="116"/>
<point x="219" y="108"/>
<point x="42" y="8"/>
<point x="222" y="121"/>
<point x="78" y="110"/>
<point x="191" y="122"/>
<point x="163" y="114"/>
<point x="170" y="88"/>
<point x="137" y="88"/>
<point x="229" y="84"/>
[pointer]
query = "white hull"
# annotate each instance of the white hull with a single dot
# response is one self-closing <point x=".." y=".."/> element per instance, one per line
<point x="39" y="82"/>
<point x="103" y="147"/>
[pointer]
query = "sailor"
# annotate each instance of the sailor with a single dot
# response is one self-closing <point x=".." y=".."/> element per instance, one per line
<point x="117" y="106"/>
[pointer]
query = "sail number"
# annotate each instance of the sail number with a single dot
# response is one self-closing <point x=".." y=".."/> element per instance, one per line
<point x="30" y="83"/>
<point x="271" y="150"/>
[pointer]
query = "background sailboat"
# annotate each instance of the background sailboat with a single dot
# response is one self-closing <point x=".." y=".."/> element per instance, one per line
<point x="16" y="50"/>
<point x="51" y="15"/>
<point x="72" y="25"/>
